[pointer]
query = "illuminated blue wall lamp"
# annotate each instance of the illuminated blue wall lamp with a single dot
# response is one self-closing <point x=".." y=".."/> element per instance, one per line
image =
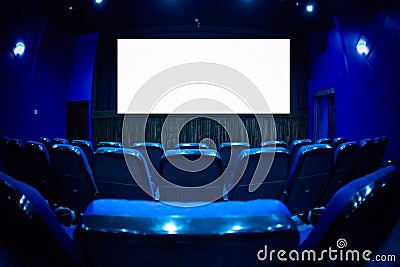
<point x="19" y="49"/>
<point x="362" y="47"/>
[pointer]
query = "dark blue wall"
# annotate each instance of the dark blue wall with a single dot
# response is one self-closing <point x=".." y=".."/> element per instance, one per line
<point x="367" y="87"/>
<point x="42" y="78"/>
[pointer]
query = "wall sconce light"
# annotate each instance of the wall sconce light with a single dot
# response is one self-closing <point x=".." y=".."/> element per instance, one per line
<point x="362" y="47"/>
<point x="19" y="49"/>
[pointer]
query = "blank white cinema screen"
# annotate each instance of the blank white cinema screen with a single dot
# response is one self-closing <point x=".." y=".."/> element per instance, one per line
<point x="229" y="76"/>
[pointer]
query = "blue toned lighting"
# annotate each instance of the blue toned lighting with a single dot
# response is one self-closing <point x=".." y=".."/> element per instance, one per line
<point x="19" y="49"/>
<point x="362" y="47"/>
<point x="70" y="8"/>
<point x="170" y="227"/>
<point x="310" y="8"/>
<point x="98" y="1"/>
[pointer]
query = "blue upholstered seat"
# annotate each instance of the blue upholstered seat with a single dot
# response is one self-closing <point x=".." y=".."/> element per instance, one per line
<point x="266" y="144"/>
<point x="191" y="146"/>
<point x="144" y="233"/>
<point x="308" y="175"/>
<point x="295" y="146"/>
<point x="152" y="152"/>
<point x="188" y="169"/>
<point x="13" y="159"/>
<point x="325" y="140"/>
<point x="230" y="151"/>
<point x="29" y="228"/>
<point x="3" y="144"/>
<point x="366" y="157"/>
<point x="263" y="168"/>
<point x="73" y="176"/>
<point x="336" y="142"/>
<point x="344" y="170"/>
<point x="109" y="144"/>
<point x="37" y="169"/>
<point x="362" y="213"/>
<point x="45" y="141"/>
<point x="87" y="148"/>
<point x="122" y="173"/>
<point x="57" y="140"/>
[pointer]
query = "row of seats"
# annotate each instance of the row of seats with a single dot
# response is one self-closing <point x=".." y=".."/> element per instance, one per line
<point x="116" y="232"/>
<point x="65" y="176"/>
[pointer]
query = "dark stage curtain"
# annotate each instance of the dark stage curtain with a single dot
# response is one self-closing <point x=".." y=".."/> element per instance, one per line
<point x="109" y="126"/>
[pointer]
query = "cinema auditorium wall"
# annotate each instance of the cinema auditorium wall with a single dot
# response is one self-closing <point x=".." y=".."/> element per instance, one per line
<point x="55" y="68"/>
<point x="367" y="87"/>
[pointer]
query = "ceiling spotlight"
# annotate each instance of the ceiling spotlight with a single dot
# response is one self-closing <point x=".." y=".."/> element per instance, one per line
<point x="70" y="8"/>
<point x="19" y="49"/>
<point x="98" y="1"/>
<point x="310" y="8"/>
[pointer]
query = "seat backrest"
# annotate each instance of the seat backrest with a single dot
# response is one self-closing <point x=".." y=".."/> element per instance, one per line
<point x="361" y="214"/>
<point x="266" y="168"/>
<point x="379" y="151"/>
<point x="282" y="144"/>
<point x="191" y="146"/>
<point x="122" y="173"/>
<point x="366" y="157"/>
<point x="109" y="144"/>
<point x="37" y="169"/>
<point x="73" y="176"/>
<point x="336" y="142"/>
<point x="87" y="148"/>
<point x="143" y="233"/>
<point x="46" y="141"/>
<point x="56" y="141"/>
<point x="230" y="151"/>
<point x="308" y="175"/>
<point x="13" y="159"/>
<point x="344" y="170"/>
<point x="190" y="168"/>
<point x="29" y="228"/>
<point x="3" y="144"/>
<point x="295" y="146"/>
<point x="326" y="140"/>
<point x="152" y="152"/>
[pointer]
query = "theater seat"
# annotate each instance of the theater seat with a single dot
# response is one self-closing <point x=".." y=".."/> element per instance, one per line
<point x="30" y="230"/>
<point x="13" y="159"/>
<point x="152" y="152"/>
<point x="327" y="141"/>
<point x="336" y="142"/>
<point x="109" y="144"/>
<point x="73" y="176"/>
<point x="56" y="141"/>
<point x="308" y="175"/>
<point x="122" y="173"/>
<point x="191" y="146"/>
<point x="379" y="151"/>
<point x="344" y="170"/>
<point x="229" y="152"/>
<point x="87" y="148"/>
<point x="265" y="168"/>
<point x="37" y="170"/>
<point x="295" y="146"/>
<point x="45" y="141"/>
<point x="366" y="157"/>
<point x="266" y="144"/>
<point x="143" y="233"/>
<point x="359" y="217"/>
<point x="3" y="144"/>
<point x="190" y="168"/>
